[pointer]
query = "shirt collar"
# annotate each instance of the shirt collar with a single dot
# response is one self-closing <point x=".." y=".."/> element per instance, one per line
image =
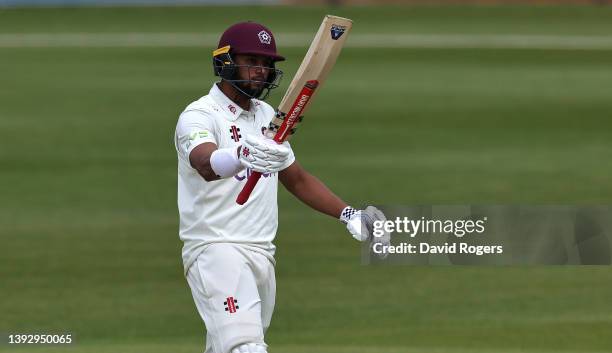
<point x="232" y="109"/>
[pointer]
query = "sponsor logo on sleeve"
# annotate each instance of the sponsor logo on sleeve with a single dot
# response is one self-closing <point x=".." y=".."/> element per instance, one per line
<point x="198" y="135"/>
<point x="195" y="136"/>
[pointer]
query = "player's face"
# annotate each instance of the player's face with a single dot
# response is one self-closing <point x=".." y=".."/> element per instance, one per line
<point x="254" y="68"/>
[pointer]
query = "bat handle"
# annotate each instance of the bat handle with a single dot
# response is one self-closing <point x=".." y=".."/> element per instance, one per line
<point x="248" y="188"/>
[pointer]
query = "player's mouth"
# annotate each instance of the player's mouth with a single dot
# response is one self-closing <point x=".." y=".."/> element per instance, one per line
<point x="257" y="83"/>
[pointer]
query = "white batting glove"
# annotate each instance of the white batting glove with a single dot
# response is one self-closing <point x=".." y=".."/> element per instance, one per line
<point x="360" y="223"/>
<point x="263" y="155"/>
<point x="250" y="348"/>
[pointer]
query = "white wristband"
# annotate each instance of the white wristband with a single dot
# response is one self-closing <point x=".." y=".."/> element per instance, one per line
<point x="224" y="162"/>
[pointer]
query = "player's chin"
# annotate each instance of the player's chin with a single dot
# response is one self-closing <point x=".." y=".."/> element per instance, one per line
<point x="257" y="88"/>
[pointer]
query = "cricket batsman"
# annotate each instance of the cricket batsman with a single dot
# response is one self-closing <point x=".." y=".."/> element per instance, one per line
<point x="228" y="251"/>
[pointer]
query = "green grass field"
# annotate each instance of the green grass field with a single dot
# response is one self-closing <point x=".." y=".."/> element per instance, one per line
<point x="88" y="218"/>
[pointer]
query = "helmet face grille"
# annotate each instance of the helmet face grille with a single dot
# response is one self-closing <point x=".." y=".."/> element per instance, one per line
<point x="227" y="70"/>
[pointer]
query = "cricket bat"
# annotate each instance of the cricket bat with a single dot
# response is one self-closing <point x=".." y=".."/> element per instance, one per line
<point x="313" y="71"/>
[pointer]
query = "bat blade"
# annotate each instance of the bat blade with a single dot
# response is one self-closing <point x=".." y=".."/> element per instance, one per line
<point x="316" y="65"/>
<point x="314" y="69"/>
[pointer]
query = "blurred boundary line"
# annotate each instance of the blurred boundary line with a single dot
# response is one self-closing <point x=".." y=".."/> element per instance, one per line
<point x="298" y="40"/>
<point x="444" y="2"/>
<point x="117" y="3"/>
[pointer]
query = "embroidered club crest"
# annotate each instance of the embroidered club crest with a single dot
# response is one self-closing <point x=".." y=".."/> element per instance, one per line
<point x="264" y="37"/>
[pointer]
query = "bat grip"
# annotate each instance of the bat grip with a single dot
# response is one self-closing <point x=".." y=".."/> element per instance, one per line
<point x="248" y="188"/>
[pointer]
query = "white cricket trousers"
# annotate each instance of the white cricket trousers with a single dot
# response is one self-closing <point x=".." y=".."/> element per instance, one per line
<point x="234" y="289"/>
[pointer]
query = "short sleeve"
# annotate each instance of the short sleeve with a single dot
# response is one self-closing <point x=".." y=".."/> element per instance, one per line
<point x="291" y="157"/>
<point x="194" y="128"/>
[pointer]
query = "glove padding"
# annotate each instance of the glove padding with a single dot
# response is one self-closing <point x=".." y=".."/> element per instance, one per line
<point x="360" y="223"/>
<point x="263" y="155"/>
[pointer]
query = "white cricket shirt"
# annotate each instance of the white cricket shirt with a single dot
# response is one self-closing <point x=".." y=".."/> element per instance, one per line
<point x="208" y="210"/>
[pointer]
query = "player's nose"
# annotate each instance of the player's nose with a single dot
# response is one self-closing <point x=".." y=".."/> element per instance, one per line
<point x="261" y="71"/>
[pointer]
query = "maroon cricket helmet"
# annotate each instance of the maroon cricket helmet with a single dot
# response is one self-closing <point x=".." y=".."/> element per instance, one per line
<point x="250" y="38"/>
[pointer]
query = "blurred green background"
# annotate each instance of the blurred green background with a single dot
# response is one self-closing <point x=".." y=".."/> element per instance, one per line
<point x="88" y="218"/>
